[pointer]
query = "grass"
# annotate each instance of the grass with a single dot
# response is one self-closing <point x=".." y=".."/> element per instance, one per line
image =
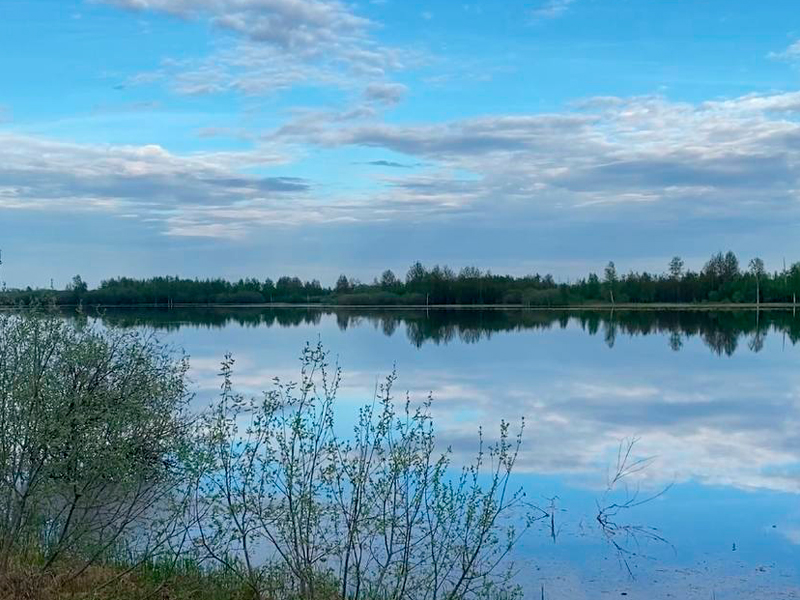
<point x="185" y="579"/>
<point x="161" y="581"/>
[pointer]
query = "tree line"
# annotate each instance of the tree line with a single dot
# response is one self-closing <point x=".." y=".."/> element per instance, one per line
<point x="723" y="279"/>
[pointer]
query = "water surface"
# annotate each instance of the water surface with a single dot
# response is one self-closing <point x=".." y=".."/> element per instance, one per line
<point x="712" y="397"/>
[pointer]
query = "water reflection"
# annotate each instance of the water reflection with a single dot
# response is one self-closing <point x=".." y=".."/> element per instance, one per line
<point x="724" y="332"/>
<point x="732" y="422"/>
<point x="722" y="425"/>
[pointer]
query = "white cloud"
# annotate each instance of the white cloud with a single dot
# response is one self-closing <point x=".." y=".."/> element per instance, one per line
<point x="45" y="174"/>
<point x="575" y="428"/>
<point x="731" y="156"/>
<point x="273" y="45"/>
<point x="738" y="157"/>
<point x="792" y="534"/>
<point x="299" y="25"/>
<point x="211" y="194"/>
<point x="552" y="9"/>
<point x="385" y="93"/>
<point x="791" y="53"/>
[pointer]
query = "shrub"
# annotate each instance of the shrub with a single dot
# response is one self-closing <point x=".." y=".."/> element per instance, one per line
<point x="380" y="515"/>
<point x="106" y="482"/>
<point x="91" y="426"/>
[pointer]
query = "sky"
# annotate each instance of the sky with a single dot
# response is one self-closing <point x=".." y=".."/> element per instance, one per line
<point x="238" y="138"/>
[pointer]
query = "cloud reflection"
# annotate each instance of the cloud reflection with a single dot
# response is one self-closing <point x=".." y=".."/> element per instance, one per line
<point x="730" y="417"/>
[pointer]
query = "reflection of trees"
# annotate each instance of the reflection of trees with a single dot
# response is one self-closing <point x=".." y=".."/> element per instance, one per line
<point x="210" y="318"/>
<point x="590" y="322"/>
<point x="472" y="336"/>
<point x="721" y="331"/>
<point x="610" y="333"/>
<point x="419" y="332"/>
<point x="675" y="341"/>
<point x="343" y="320"/>
<point x="389" y="325"/>
<point x="721" y="341"/>
<point x="756" y="343"/>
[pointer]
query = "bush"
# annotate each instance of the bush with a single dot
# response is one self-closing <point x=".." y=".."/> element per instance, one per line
<point x="107" y="484"/>
<point x="378" y="516"/>
<point x="241" y="297"/>
<point x="92" y="425"/>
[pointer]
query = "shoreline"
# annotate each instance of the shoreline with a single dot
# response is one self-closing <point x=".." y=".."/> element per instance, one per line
<point x="708" y="306"/>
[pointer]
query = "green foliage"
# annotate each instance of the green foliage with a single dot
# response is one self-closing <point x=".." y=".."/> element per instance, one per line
<point x="720" y="280"/>
<point x="91" y="426"/>
<point x="380" y="514"/>
<point x="107" y="483"/>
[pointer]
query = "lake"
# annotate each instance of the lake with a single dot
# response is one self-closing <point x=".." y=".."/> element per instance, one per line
<point x="711" y="400"/>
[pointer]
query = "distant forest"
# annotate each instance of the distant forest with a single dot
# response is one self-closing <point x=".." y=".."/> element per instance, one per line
<point x="722" y="280"/>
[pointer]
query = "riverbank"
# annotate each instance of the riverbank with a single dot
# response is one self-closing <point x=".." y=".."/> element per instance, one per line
<point x="706" y="306"/>
<point x="182" y="580"/>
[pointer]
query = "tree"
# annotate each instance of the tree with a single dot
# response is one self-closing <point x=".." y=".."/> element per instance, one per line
<point x="343" y="285"/>
<point x="730" y="266"/>
<point x="714" y="267"/>
<point x="268" y="290"/>
<point x="93" y="423"/>
<point x="469" y="273"/>
<point x="675" y="272"/>
<point x="721" y="280"/>
<point x="794" y="281"/>
<point x="388" y="279"/>
<point x="416" y="273"/>
<point x="593" y="287"/>
<point x="757" y="270"/>
<point x="383" y="514"/>
<point x="78" y="285"/>
<point x="611" y="279"/>
<point x="676" y="267"/>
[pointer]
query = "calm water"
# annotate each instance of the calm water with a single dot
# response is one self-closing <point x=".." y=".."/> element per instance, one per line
<point x="712" y="397"/>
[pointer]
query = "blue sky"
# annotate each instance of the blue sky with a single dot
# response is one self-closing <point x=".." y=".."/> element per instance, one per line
<point x="313" y="137"/>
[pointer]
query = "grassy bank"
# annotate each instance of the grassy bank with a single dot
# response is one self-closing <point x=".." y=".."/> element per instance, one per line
<point x="593" y="306"/>
<point x="184" y="580"/>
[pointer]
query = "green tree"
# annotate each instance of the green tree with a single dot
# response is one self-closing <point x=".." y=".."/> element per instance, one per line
<point x="794" y="281"/>
<point x="388" y="279"/>
<point x="343" y="285"/>
<point x="416" y="273"/>
<point x="611" y="279"/>
<point x="730" y="266"/>
<point x="757" y="270"/>
<point x="78" y="285"/>
<point x="675" y="272"/>
<point x="93" y="422"/>
<point x="676" y="267"/>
